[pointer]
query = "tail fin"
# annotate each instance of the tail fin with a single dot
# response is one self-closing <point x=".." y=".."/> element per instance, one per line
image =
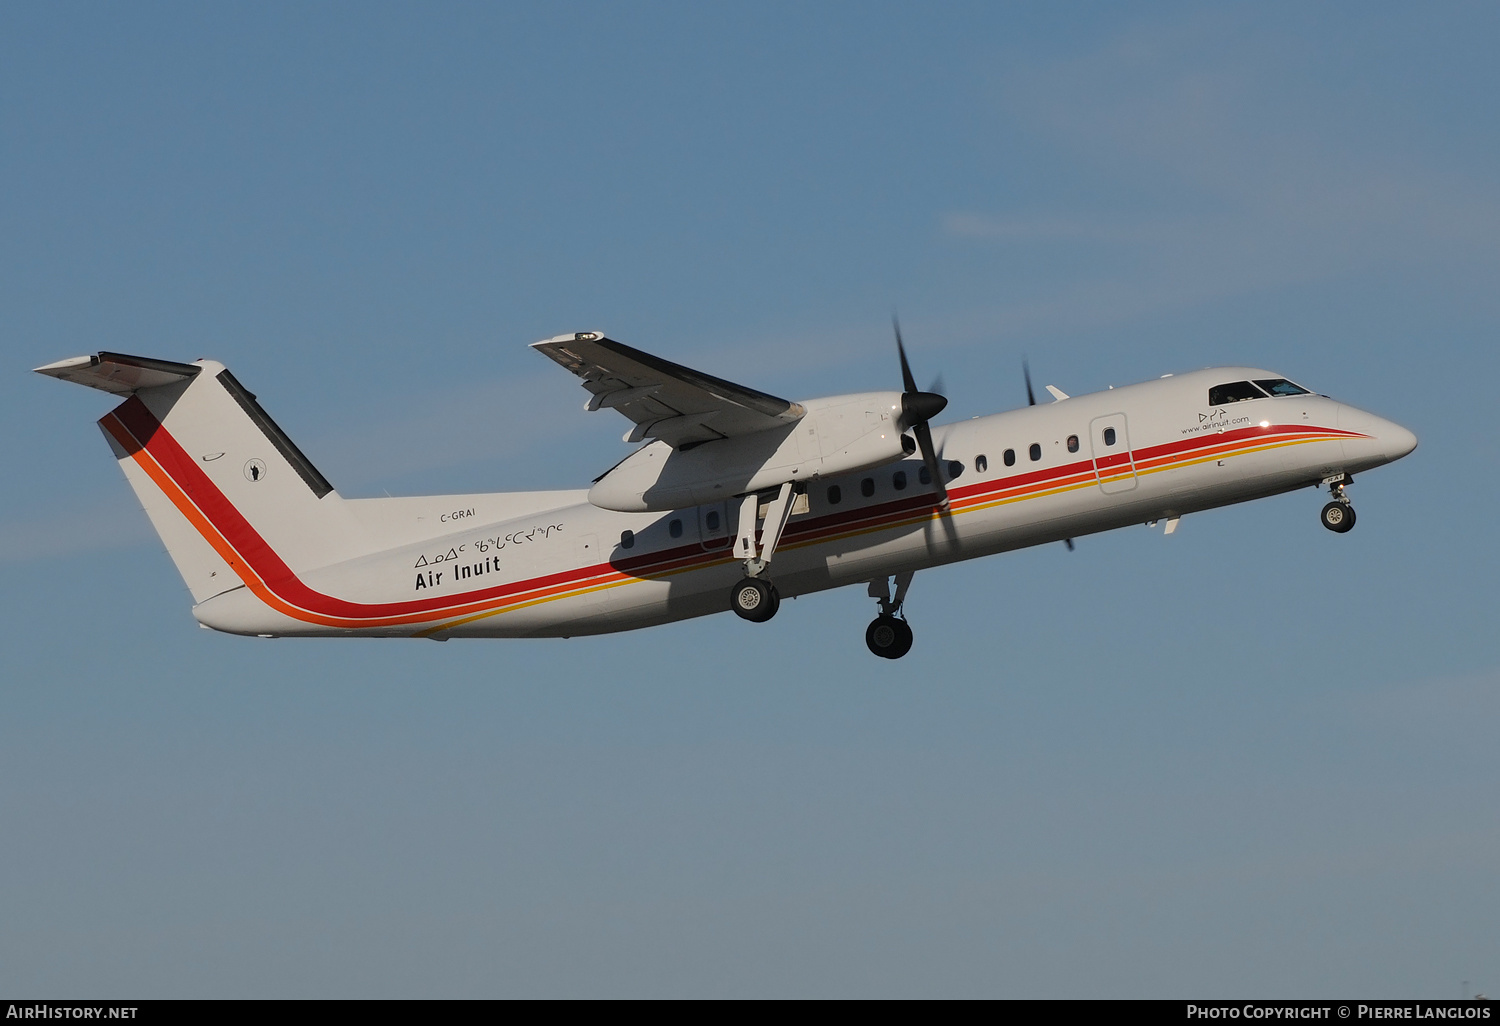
<point x="223" y="485"/>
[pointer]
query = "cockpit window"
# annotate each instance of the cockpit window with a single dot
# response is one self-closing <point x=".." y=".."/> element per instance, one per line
<point x="1234" y="392"/>
<point x="1281" y="386"/>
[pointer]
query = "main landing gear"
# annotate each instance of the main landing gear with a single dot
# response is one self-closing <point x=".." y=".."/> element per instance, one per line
<point x="1338" y="515"/>
<point x="889" y="635"/>
<point x="754" y="598"/>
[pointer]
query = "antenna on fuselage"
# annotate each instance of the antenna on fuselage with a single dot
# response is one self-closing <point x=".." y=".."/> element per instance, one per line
<point x="1031" y="401"/>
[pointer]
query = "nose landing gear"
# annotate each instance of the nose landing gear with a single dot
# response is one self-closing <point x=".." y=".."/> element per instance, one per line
<point x="1338" y="515"/>
<point x="889" y="635"/>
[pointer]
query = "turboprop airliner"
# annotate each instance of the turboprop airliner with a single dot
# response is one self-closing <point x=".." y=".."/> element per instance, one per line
<point x="735" y="499"/>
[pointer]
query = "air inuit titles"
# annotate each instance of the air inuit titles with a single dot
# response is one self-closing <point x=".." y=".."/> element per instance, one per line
<point x="461" y="572"/>
<point x="1415" y="1010"/>
<point x="429" y="578"/>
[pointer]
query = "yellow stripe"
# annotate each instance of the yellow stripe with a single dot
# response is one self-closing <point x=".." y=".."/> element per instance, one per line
<point x="968" y="507"/>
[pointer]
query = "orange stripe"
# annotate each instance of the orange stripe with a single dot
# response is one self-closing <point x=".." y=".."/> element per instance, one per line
<point x="471" y="612"/>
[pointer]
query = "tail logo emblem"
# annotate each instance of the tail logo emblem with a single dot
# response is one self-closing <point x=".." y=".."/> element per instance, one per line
<point x="255" y="470"/>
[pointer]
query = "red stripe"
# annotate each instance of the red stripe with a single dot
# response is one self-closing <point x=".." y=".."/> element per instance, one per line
<point x="141" y="431"/>
<point x="146" y="433"/>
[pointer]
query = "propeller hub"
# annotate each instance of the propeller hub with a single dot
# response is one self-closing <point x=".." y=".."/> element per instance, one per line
<point x="920" y="407"/>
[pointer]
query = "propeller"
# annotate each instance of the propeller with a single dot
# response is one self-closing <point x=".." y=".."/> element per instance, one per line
<point x="917" y="408"/>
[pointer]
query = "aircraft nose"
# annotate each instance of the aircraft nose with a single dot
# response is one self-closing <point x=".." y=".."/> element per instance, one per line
<point x="1384" y="440"/>
<point x="1396" y="440"/>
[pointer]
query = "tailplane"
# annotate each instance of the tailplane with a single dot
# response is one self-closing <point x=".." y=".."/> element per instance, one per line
<point x="232" y="496"/>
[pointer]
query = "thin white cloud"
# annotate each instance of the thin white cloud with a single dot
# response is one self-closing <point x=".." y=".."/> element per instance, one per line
<point x="1067" y="228"/>
<point x="1264" y="187"/>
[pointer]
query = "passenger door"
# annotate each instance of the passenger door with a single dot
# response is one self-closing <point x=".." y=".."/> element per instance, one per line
<point x="1114" y="467"/>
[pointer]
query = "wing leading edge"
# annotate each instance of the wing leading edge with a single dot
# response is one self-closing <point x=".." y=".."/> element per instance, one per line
<point x="676" y="404"/>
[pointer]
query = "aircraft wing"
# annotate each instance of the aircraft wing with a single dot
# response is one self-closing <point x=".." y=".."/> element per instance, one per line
<point x="676" y="404"/>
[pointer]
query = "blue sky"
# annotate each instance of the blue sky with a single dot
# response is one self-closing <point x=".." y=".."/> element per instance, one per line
<point x="1251" y="759"/>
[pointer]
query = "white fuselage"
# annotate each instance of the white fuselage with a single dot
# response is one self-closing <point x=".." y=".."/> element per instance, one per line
<point x="1137" y="454"/>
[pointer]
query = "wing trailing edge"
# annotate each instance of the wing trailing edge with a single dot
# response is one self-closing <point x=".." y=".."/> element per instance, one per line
<point x="665" y="400"/>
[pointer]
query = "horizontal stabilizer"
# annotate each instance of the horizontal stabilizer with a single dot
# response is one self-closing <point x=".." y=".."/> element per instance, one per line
<point x="118" y="373"/>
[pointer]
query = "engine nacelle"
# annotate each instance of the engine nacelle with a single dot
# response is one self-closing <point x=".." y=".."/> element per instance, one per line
<point x="837" y="435"/>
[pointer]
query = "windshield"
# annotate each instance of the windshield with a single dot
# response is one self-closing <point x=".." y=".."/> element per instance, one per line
<point x="1281" y="386"/>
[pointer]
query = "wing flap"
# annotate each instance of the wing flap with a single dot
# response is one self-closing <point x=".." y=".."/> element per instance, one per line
<point x="665" y="400"/>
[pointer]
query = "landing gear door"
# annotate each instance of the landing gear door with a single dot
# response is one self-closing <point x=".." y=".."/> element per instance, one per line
<point x="1114" y="467"/>
<point x="713" y="526"/>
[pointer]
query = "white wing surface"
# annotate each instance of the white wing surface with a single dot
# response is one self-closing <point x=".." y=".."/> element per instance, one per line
<point x="676" y="404"/>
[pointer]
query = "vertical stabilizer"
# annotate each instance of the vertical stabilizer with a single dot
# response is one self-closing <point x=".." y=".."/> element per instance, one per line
<point x="232" y="496"/>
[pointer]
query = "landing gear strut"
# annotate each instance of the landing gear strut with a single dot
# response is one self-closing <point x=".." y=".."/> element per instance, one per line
<point x="754" y="598"/>
<point x="1338" y="515"/>
<point x="889" y="635"/>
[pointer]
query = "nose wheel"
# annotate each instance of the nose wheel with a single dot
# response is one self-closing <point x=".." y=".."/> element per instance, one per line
<point x="1338" y="515"/>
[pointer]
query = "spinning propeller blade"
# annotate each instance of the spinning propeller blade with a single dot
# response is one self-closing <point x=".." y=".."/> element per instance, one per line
<point x="917" y="408"/>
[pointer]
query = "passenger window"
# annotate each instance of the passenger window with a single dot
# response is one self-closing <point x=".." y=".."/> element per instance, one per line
<point x="835" y="495"/>
<point x="981" y="464"/>
<point x="1072" y="443"/>
<point x="675" y="529"/>
<point x="867" y="487"/>
<point x="1035" y="452"/>
<point x="627" y="539"/>
<point x="898" y="480"/>
<point x="954" y="469"/>
<point x="923" y="476"/>
<point x="1281" y="386"/>
<point x="1109" y="436"/>
<point x="1234" y="392"/>
<point x="1010" y="457"/>
<point x="712" y="520"/>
